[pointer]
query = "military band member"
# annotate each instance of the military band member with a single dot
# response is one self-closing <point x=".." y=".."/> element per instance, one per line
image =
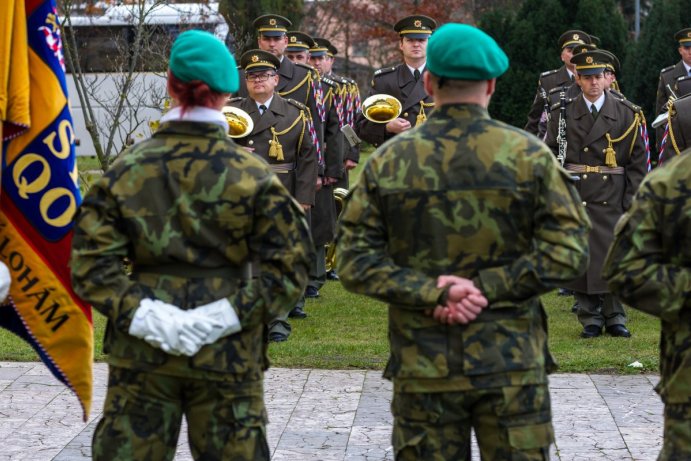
<point x="403" y="82"/>
<point x="604" y="148"/>
<point x="324" y="211"/>
<point x="649" y="267"/>
<point x="677" y="132"/>
<point x="281" y="137"/>
<point x="557" y="78"/>
<point x="322" y="57"/>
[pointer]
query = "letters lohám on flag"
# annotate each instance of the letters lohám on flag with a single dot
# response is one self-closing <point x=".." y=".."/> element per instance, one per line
<point x="40" y="195"/>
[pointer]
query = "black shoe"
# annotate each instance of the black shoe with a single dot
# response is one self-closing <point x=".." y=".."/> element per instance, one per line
<point x="574" y="308"/>
<point x="276" y="337"/>
<point x="591" y="331"/>
<point x="564" y="292"/>
<point x="618" y="331"/>
<point x="311" y="292"/>
<point x="297" y="313"/>
<point x="332" y="275"/>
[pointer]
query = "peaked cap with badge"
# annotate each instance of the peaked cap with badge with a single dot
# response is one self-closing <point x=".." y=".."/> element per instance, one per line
<point x="258" y="60"/>
<point x="323" y="47"/>
<point x="415" y="26"/>
<point x="683" y="37"/>
<point x="299" y="41"/>
<point x="572" y="38"/>
<point x="591" y="62"/>
<point x="272" y="25"/>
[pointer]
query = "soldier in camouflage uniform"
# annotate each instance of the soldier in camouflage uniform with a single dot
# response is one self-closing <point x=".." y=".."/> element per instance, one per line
<point x="403" y="82"/>
<point x="501" y="226"/>
<point x="189" y="209"/>
<point x="551" y="79"/>
<point x="649" y="267"/>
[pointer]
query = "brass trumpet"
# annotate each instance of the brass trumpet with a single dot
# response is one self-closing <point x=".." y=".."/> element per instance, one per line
<point x="340" y="197"/>
<point x="240" y="123"/>
<point x="381" y="108"/>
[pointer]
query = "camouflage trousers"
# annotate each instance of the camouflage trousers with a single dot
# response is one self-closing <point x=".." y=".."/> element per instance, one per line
<point x="512" y="423"/>
<point x="677" y="438"/>
<point x="143" y="412"/>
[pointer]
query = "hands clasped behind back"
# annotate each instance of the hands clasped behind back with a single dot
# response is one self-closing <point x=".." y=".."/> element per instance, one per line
<point x="183" y="332"/>
<point x="464" y="301"/>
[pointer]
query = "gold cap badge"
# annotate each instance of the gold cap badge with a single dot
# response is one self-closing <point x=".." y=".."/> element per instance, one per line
<point x="272" y="22"/>
<point x="255" y="58"/>
<point x="576" y="36"/>
<point x="589" y="59"/>
<point x="293" y="39"/>
<point x="418" y="23"/>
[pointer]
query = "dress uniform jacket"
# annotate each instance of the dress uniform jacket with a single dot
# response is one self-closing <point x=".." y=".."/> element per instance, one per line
<point x="668" y="76"/>
<point x="397" y="82"/>
<point x="347" y="89"/>
<point x="679" y="136"/>
<point x="507" y="217"/>
<point x="298" y="169"/>
<point x="549" y="80"/>
<point x="604" y="195"/>
<point x="296" y="82"/>
<point x="189" y="209"/>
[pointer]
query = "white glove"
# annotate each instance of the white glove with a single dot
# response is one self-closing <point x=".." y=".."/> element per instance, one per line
<point x="5" y="281"/>
<point x="171" y="329"/>
<point x="222" y="312"/>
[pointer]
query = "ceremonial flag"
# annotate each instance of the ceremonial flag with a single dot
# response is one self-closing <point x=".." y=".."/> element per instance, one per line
<point x="40" y="195"/>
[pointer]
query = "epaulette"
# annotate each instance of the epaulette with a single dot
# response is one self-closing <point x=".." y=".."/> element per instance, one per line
<point x="667" y="69"/>
<point x="329" y="82"/>
<point x="297" y="104"/>
<point x="549" y="72"/>
<point x="558" y="104"/>
<point x="306" y="66"/>
<point x="384" y="70"/>
<point x="236" y="99"/>
<point x="629" y="104"/>
<point x="558" y="89"/>
<point x="616" y="93"/>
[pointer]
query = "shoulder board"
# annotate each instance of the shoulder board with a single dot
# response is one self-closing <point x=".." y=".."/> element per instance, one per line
<point x="558" y="89"/>
<point x="617" y="94"/>
<point x="629" y="104"/>
<point x="683" y="78"/>
<point x="329" y="82"/>
<point x="667" y="69"/>
<point x="549" y="72"/>
<point x="236" y="99"/>
<point x="556" y="106"/>
<point x="297" y="104"/>
<point x="384" y="70"/>
<point x="305" y="66"/>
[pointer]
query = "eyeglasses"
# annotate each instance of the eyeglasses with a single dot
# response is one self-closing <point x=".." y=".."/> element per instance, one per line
<point x="259" y="77"/>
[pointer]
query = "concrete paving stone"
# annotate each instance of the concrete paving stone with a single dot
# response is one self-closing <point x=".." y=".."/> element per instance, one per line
<point x="368" y="436"/>
<point x="307" y="455"/>
<point x="11" y="373"/>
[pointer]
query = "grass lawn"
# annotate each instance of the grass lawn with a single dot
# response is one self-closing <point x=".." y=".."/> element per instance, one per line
<point x="344" y="330"/>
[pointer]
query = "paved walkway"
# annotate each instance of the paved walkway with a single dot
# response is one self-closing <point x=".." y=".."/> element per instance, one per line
<point x="335" y="415"/>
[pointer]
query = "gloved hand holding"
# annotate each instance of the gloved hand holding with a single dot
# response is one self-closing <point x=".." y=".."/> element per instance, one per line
<point x="5" y="281"/>
<point x="171" y="329"/>
<point x="223" y="313"/>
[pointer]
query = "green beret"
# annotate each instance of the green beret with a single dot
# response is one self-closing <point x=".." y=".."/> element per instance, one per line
<point x="463" y="52"/>
<point x="198" y="55"/>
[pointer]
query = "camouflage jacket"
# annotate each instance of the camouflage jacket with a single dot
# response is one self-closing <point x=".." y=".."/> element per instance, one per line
<point x="649" y="267"/>
<point x="189" y="209"/>
<point x="467" y="195"/>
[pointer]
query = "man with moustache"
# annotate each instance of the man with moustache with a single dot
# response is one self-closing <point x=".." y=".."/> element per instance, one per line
<point x="280" y="137"/>
<point x="403" y="82"/>
<point x="607" y="153"/>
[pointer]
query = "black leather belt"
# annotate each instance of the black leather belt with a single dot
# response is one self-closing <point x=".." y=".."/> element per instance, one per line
<point x="576" y="168"/>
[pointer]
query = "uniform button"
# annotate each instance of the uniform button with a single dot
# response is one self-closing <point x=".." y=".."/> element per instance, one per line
<point x="250" y="142"/>
<point x="604" y="203"/>
<point x="405" y="114"/>
<point x="270" y="141"/>
<point x="604" y="177"/>
<point x="585" y="176"/>
<point x="584" y="203"/>
<point x="585" y="149"/>
<point x="604" y="151"/>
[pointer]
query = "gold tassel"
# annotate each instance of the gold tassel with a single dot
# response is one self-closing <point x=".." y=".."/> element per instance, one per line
<point x="421" y="117"/>
<point x="610" y="157"/>
<point x="276" y="150"/>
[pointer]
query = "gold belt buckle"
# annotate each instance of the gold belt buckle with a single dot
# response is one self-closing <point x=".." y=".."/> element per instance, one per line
<point x="592" y="169"/>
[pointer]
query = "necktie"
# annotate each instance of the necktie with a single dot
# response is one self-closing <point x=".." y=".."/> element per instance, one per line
<point x="416" y="74"/>
<point x="571" y="77"/>
<point x="593" y="110"/>
<point x="262" y="109"/>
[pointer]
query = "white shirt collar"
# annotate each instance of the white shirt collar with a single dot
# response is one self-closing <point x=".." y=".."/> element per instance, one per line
<point x="412" y="69"/>
<point x="570" y="73"/>
<point x="196" y="114"/>
<point x="688" y="68"/>
<point x="267" y="103"/>
<point x="598" y="103"/>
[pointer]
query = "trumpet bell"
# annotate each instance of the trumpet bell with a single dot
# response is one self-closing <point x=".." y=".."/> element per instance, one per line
<point x="240" y="123"/>
<point x="381" y="108"/>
